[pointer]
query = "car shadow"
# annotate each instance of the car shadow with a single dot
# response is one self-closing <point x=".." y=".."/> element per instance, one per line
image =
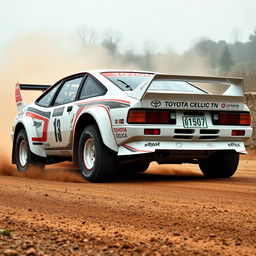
<point x="159" y="173"/>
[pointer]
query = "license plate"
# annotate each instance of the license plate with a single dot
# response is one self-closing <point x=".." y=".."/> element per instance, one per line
<point x="194" y="122"/>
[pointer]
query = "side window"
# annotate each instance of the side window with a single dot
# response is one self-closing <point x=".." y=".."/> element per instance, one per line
<point x="46" y="100"/>
<point x="68" y="91"/>
<point x="91" y="88"/>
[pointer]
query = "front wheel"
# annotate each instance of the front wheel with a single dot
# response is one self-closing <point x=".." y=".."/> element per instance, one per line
<point x="222" y="164"/>
<point x="96" y="161"/>
<point x="24" y="158"/>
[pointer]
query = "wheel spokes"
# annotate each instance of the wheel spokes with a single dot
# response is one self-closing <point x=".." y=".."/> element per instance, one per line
<point x="23" y="153"/>
<point x="89" y="154"/>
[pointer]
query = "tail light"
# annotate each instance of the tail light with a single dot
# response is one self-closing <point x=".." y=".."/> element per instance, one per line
<point x="231" y="118"/>
<point x="151" y="117"/>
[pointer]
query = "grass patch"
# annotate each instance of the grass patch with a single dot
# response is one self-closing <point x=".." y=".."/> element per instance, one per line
<point x="5" y="232"/>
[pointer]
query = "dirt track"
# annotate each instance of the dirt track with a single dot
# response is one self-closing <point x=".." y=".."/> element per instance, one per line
<point x="170" y="210"/>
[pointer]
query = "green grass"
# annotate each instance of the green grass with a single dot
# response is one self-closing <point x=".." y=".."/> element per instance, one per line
<point x="5" y="232"/>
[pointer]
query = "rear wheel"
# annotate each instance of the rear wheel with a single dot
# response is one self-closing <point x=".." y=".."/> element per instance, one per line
<point x="96" y="161"/>
<point x="222" y="164"/>
<point x="135" y="167"/>
<point x="24" y="158"/>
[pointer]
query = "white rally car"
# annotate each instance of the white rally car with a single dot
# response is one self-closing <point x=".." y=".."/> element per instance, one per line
<point x="107" y="121"/>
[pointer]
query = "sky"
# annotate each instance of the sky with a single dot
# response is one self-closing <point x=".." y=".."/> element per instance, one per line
<point x="166" y="23"/>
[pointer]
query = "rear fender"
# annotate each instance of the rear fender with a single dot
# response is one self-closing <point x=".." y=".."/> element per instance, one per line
<point x="27" y="123"/>
<point x="103" y="120"/>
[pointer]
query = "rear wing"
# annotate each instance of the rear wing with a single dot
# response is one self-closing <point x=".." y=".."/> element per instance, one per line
<point x="19" y="100"/>
<point x="34" y="87"/>
<point x="236" y="85"/>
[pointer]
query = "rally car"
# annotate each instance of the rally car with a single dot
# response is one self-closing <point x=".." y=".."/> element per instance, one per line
<point x="107" y="121"/>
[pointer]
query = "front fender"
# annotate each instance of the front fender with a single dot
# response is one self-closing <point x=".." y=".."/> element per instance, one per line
<point x="103" y="120"/>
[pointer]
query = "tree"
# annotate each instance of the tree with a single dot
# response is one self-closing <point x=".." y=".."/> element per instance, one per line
<point x="207" y="49"/>
<point x="226" y="60"/>
<point x="252" y="46"/>
<point x="111" y="41"/>
<point x="148" y="47"/>
<point x="88" y="36"/>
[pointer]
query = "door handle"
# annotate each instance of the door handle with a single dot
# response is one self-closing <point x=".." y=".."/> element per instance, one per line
<point x="69" y="109"/>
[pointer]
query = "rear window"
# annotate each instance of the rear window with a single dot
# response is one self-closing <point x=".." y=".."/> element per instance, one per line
<point x="127" y="81"/>
<point x="175" y="86"/>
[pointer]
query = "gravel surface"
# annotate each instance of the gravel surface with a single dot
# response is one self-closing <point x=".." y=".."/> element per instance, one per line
<point x="169" y="210"/>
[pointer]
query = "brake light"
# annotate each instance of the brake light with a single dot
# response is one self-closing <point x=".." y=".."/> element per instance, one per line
<point x="152" y="131"/>
<point x="238" y="132"/>
<point x="151" y="117"/>
<point x="231" y="118"/>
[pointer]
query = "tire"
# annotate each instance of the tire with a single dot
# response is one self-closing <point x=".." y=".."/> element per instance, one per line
<point x="222" y="164"/>
<point x="97" y="162"/>
<point x="135" y="167"/>
<point x="24" y="158"/>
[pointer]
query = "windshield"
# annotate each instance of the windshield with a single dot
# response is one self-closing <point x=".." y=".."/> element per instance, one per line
<point x="127" y="81"/>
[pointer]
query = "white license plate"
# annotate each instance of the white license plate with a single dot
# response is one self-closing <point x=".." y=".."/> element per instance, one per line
<point x="194" y="122"/>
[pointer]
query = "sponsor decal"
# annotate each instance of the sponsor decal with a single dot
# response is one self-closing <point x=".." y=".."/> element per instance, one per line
<point x="210" y="145"/>
<point x="44" y="119"/>
<point x="234" y="144"/>
<point x="229" y="106"/>
<point x="20" y="114"/>
<point x="179" y="145"/>
<point x="119" y="121"/>
<point x="152" y="144"/>
<point x="37" y="124"/>
<point x="197" y="104"/>
<point x="120" y="133"/>
<point x="155" y="103"/>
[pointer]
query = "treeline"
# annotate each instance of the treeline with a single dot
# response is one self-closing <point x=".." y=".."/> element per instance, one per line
<point x="204" y="57"/>
<point x="235" y="59"/>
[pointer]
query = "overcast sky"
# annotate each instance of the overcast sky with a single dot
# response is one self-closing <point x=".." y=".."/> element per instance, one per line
<point x="168" y="23"/>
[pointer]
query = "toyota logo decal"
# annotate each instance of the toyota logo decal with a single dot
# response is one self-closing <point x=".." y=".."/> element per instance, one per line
<point x="155" y="103"/>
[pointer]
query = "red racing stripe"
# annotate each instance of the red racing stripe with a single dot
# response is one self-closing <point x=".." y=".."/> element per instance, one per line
<point x="45" y="126"/>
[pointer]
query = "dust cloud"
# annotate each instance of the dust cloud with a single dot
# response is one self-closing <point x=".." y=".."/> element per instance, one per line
<point x="57" y="172"/>
<point x="45" y="57"/>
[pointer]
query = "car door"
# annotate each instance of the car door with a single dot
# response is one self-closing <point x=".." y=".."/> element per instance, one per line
<point x="62" y="113"/>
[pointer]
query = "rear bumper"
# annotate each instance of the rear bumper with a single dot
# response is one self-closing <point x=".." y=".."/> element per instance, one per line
<point x="143" y="147"/>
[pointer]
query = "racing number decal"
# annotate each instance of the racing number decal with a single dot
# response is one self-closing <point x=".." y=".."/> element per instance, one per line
<point x="57" y="130"/>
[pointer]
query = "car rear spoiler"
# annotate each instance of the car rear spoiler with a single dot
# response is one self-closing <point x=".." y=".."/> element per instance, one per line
<point x="236" y="85"/>
<point x="19" y="100"/>
<point x="34" y="87"/>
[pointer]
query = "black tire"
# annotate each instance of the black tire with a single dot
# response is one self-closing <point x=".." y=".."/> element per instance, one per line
<point x="24" y="158"/>
<point x="135" y="167"/>
<point x="222" y="164"/>
<point x="97" y="162"/>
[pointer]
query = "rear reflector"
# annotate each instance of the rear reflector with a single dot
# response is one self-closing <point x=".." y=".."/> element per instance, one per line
<point x="152" y="131"/>
<point x="231" y="118"/>
<point x="238" y="132"/>
<point x="151" y="117"/>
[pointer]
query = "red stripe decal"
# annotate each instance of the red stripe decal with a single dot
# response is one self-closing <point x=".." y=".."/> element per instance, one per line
<point x="18" y="94"/>
<point x="80" y="111"/>
<point x="110" y="74"/>
<point x="45" y="127"/>
<point x="138" y="150"/>
<point x="115" y="100"/>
